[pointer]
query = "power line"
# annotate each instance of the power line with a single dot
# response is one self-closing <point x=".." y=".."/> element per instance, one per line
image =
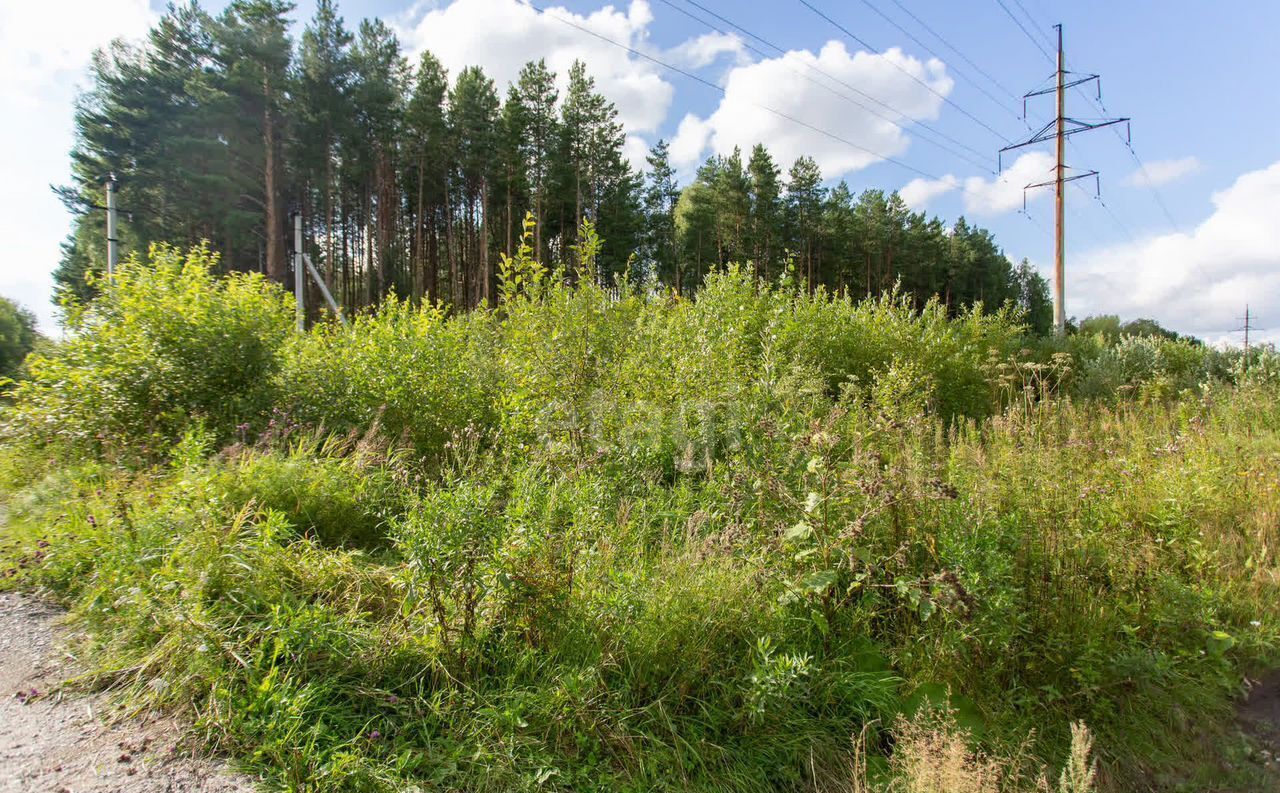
<point x="986" y="166"/>
<point x="1035" y="23"/>
<point x="1097" y="102"/>
<point x="1024" y="30"/>
<point x="927" y="87"/>
<point x="930" y="50"/>
<point x="954" y="49"/>
<point x="721" y="90"/>
<point x="1146" y="176"/>
<point x="831" y="77"/>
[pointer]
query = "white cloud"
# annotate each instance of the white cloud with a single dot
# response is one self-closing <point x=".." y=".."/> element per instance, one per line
<point x="44" y="50"/>
<point x="45" y="46"/>
<point x="1004" y="192"/>
<point x="919" y="192"/>
<point x="689" y="142"/>
<point x="705" y="49"/>
<point x="1163" y="171"/>
<point x="1198" y="282"/>
<point x="789" y="84"/>
<point x="503" y="35"/>
<point x="635" y="149"/>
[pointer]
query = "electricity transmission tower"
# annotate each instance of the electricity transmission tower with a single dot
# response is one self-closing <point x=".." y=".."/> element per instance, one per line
<point x="1248" y="326"/>
<point x="1059" y="129"/>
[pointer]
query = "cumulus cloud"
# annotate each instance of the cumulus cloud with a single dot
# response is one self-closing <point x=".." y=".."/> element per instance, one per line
<point x="690" y="141"/>
<point x="47" y="45"/>
<point x="1003" y="193"/>
<point x="705" y="49"/>
<point x="789" y="84"/>
<point x="919" y="192"/>
<point x="635" y="149"/>
<point x="503" y="35"/>
<point x="1196" y="282"/>
<point x="1163" y="171"/>
<point x="44" y="50"/>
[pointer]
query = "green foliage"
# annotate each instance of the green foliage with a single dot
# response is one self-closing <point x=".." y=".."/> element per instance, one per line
<point x="339" y="493"/>
<point x="164" y="346"/>
<point x="1144" y="366"/>
<point x="411" y="372"/>
<point x="18" y="336"/>
<point x="614" y="540"/>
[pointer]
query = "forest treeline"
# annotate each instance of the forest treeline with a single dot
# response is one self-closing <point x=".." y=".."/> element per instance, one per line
<point x="412" y="180"/>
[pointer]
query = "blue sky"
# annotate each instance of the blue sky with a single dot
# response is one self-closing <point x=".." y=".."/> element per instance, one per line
<point x="1193" y="76"/>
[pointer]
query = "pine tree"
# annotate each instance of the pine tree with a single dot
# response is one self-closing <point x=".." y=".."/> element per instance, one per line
<point x="841" y="231"/>
<point x="764" y="226"/>
<point x="595" y="182"/>
<point x="512" y="173"/>
<point x="535" y="92"/>
<point x="804" y="214"/>
<point x="324" y="111"/>
<point x="1033" y="298"/>
<point x="660" y="196"/>
<point x="252" y="47"/>
<point x="381" y="80"/>
<point x="427" y="146"/>
<point x="473" y="114"/>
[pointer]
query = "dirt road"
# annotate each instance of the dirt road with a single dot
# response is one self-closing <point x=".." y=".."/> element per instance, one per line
<point x="67" y="743"/>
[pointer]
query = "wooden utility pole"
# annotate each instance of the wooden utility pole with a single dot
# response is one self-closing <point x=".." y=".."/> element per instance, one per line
<point x="1059" y="129"/>
<point x="1060" y="202"/>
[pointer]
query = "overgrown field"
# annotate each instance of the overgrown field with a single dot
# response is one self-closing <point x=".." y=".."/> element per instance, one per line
<point x="762" y="540"/>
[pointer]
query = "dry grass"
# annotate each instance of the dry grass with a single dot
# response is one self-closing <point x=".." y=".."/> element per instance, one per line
<point x="932" y="755"/>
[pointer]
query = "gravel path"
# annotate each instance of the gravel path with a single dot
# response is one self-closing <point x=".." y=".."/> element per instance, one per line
<point x="67" y="743"/>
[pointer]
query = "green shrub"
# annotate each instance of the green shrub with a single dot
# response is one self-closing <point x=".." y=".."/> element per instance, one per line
<point x="164" y="345"/>
<point x="417" y="375"/>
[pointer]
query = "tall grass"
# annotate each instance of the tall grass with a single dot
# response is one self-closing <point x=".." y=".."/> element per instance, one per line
<point x="595" y="540"/>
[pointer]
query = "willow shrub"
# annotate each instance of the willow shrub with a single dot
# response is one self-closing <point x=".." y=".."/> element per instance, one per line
<point x="416" y="374"/>
<point x="165" y="345"/>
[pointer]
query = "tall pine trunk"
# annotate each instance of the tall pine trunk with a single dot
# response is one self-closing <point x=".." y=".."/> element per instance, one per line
<point x="271" y="184"/>
<point x="484" y="240"/>
<point x="329" y="262"/>
<point x="451" y="252"/>
<point x="419" y="222"/>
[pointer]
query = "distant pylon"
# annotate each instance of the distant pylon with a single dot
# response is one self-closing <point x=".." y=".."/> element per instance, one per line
<point x="1247" y="328"/>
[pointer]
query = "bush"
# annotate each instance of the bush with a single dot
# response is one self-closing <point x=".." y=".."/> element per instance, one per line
<point x="417" y="375"/>
<point x="164" y="346"/>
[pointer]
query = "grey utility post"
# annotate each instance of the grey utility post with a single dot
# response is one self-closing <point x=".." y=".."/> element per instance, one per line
<point x="112" y="242"/>
<point x="300" y="308"/>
